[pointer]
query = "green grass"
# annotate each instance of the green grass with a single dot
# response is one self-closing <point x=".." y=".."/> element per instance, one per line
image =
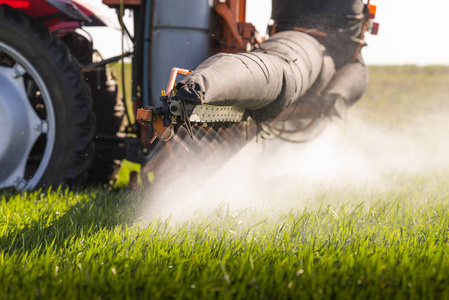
<point x="397" y="96"/>
<point x="86" y="245"/>
<point x="347" y="243"/>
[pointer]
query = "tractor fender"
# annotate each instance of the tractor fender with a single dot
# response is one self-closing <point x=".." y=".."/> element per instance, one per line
<point x="80" y="10"/>
<point x="71" y="9"/>
<point x="91" y="13"/>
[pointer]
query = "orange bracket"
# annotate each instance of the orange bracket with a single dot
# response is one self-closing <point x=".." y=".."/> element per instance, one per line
<point x="144" y="115"/>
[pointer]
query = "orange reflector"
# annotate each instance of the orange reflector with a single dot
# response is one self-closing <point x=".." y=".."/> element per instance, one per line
<point x="372" y="11"/>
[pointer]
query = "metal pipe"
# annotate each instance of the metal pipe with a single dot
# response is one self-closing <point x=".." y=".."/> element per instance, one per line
<point x="171" y="82"/>
<point x="146" y="54"/>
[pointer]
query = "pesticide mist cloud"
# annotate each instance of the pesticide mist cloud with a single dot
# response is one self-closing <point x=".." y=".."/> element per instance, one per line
<point x="282" y="176"/>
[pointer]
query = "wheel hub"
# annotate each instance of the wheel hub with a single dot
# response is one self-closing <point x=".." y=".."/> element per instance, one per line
<point x="20" y="125"/>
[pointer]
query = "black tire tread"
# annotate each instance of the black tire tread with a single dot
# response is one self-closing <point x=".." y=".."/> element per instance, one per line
<point x="78" y="152"/>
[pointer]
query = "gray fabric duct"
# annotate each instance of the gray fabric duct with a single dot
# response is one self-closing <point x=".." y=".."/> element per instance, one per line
<point x="279" y="72"/>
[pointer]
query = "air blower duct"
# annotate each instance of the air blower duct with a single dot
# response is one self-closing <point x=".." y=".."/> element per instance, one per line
<point x="264" y="81"/>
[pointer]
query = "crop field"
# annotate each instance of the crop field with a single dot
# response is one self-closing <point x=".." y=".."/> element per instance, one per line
<point x="360" y="213"/>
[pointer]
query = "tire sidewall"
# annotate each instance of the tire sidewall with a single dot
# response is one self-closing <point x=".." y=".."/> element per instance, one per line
<point x="44" y="51"/>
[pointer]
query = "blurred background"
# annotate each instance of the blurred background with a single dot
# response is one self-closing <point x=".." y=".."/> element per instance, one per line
<point x="411" y="32"/>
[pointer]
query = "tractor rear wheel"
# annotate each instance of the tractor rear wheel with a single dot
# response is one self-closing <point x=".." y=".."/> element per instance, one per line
<point x="46" y="119"/>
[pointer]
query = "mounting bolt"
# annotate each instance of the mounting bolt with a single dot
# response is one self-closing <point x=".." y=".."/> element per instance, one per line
<point x="20" y="183"/>
<point x="41" y="127"/>
<point x="19" y="70"/>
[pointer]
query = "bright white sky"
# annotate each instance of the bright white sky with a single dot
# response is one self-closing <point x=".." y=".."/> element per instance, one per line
<point x="411" y="32"/>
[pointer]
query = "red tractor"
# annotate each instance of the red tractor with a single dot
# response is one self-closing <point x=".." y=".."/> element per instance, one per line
<point x="62" y="121"/>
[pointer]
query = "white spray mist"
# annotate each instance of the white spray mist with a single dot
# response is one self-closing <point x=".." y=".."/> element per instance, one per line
<point x="278" y="175"/>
